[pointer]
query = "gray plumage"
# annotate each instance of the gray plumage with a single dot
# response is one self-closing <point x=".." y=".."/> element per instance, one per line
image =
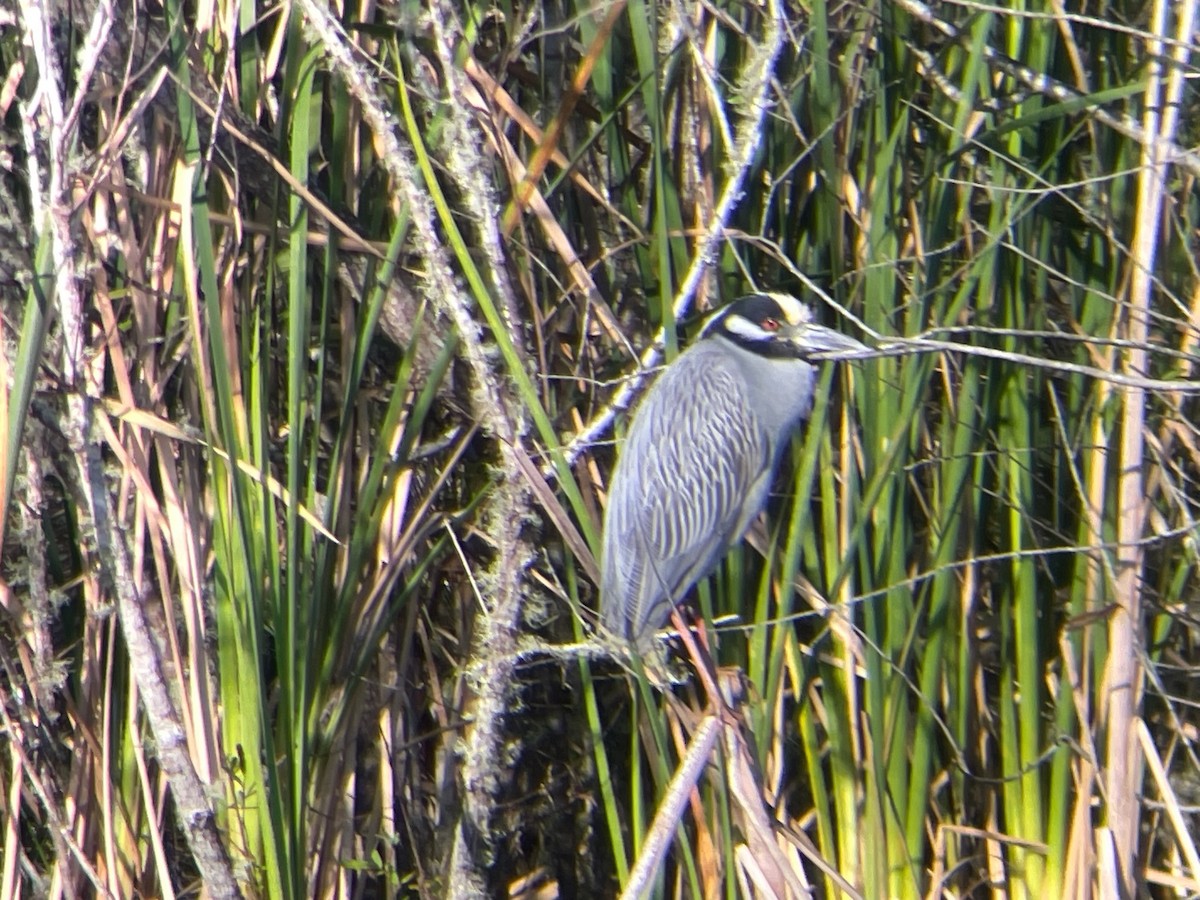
<point x="700" y="454"/>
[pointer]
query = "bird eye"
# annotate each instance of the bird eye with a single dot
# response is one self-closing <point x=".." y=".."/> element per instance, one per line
<point x="770" y="324"/>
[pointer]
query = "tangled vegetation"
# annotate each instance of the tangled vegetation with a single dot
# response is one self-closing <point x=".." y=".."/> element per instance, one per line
<point x="320" y="326"/>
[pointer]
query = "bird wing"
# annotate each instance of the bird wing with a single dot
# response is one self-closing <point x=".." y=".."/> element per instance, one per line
<point x="693" y="462"/>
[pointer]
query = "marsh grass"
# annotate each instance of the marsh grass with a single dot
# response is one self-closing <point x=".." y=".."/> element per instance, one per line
<point x="353" y="366"/>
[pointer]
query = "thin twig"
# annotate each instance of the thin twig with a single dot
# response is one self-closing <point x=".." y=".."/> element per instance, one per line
<point x="1159" y="144"/>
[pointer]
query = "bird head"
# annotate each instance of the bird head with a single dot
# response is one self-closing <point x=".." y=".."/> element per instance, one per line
<point x="779" y="326"/>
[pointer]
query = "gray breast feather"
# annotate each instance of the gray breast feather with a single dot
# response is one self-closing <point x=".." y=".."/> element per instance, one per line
<point x="694" y="461"/>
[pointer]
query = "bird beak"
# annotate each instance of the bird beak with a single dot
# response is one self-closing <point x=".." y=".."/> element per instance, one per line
<point x="821" y="343"/>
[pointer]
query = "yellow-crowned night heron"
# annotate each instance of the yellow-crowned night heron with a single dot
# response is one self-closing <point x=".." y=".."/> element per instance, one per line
<point x="700" y="455"/>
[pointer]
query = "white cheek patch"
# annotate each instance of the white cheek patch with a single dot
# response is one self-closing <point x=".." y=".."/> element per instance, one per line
<point x="743" y="327"/>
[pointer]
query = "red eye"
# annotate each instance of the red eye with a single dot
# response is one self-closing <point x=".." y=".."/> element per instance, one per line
<point x="770" y="324"/>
